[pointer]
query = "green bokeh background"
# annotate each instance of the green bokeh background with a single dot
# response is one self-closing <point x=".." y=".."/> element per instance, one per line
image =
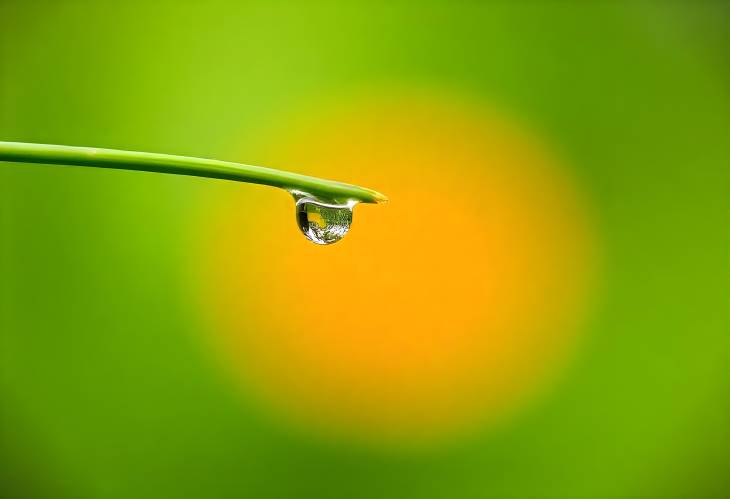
<point x="107" y="388"/>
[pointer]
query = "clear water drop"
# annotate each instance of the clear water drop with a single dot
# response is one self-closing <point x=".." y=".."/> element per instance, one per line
<point x="322" y="222"/>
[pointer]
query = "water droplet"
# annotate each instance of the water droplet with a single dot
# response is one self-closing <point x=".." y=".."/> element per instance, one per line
<point x="322" y="222"/>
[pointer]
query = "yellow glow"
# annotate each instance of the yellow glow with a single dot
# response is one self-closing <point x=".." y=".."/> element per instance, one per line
<point x="441" y="312"/>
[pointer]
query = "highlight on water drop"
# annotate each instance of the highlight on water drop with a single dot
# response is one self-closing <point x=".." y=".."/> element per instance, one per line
<point x="322" y="222"/>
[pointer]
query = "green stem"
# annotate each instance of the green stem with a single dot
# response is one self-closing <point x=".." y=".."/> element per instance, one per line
<point x="183" y="165"/>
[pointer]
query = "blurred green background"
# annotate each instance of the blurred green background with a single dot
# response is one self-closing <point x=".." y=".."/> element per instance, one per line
<point x="108" y="391"/>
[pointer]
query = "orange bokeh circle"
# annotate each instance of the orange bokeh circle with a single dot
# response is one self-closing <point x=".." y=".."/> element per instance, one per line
<point x="440" y="312"/>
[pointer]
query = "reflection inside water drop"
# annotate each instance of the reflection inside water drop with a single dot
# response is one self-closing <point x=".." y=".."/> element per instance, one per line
<point x="321" y="222"/>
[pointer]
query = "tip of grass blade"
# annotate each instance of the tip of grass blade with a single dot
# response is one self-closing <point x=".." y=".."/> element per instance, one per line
<point x="380" y="198"/>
